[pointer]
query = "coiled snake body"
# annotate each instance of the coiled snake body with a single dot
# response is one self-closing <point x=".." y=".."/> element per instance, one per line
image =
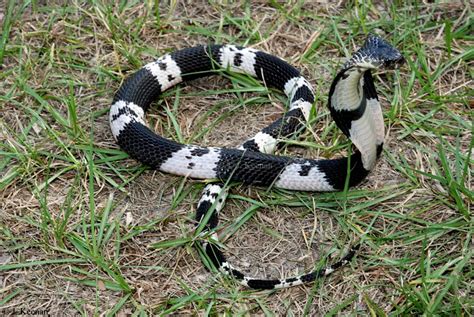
<point x="353" y="104"/>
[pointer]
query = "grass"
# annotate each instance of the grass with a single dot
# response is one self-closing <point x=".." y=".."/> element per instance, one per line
<point x="87" y="231"/>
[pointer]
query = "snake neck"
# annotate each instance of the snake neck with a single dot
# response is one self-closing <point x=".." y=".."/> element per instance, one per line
<point x="354" y="107"/>
<point x="348" y="94"/>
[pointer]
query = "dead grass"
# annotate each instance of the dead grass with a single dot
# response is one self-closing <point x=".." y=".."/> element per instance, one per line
<point x="79" y="219"/>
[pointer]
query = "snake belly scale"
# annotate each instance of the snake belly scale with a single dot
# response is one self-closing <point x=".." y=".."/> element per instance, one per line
<point x="353" y="104"/>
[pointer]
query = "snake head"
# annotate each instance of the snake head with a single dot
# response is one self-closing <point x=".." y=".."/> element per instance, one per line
<point x="375" y="53"/>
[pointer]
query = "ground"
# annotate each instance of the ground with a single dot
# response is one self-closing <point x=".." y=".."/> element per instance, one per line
<point x="86" y="230"/>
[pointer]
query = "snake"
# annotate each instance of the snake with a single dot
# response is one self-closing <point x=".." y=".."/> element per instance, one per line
<point x="353" y="104"/>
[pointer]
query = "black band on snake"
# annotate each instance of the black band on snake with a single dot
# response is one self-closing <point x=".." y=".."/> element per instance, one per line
<point x="353" y="104"/>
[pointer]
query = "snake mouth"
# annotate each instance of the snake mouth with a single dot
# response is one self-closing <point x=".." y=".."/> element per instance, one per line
<point x="395" y="62"/>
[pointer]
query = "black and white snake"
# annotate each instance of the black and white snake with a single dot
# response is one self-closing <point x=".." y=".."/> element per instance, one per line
<point x="353" y="104"/>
